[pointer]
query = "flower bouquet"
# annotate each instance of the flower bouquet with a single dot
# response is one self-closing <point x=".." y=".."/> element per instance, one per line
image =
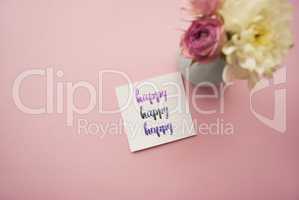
<point x="235" y="39"/>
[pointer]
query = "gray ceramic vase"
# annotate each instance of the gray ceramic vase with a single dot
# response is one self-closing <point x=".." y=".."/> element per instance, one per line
<point x="200" y="73"/>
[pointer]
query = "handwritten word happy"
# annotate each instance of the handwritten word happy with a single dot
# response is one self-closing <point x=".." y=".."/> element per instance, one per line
<point x="155" y="113"/>
<point x="158" y="130"/>
<point x="151" y="96"/>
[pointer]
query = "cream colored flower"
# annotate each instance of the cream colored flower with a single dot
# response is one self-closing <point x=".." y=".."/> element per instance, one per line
<point x="260" y="37"/>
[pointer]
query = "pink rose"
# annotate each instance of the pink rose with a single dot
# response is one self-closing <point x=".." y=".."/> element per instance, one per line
<point x="205" y="7"/>
<point x="203" y="40"/>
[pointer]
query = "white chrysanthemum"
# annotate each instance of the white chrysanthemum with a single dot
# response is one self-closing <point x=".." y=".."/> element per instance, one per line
<point x="260" y="37"/>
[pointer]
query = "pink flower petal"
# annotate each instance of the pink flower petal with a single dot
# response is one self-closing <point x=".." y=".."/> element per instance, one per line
<point x="204" y="7"/>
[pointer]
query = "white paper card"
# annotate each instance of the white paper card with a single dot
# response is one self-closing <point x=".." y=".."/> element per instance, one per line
<point x="155" y="111"/>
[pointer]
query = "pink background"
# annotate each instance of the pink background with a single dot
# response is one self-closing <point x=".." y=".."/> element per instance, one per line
<point x="42" y="158"/>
